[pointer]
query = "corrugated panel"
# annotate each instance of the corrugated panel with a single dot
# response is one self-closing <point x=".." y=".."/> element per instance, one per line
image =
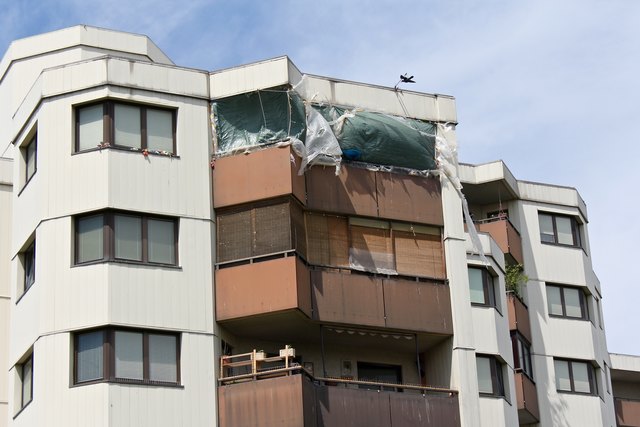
<point x="338" y="406"/>
<point x="371" y="250"/>
<point x="411" y="410"/>
<point x="418" y="254"/>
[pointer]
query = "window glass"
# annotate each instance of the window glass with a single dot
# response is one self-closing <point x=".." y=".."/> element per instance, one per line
<point x="546" y="228"/>
<point x="128" y="355"/>
<point x="27" y="381"/>
<point x="160" y="130"/>
<point x="565" y="231"/>
<point x="485" y="383"/>
<point x="128" y="237"/>
<point x="161" y="241"/>
<point x="554" y="300"/>
<point x="89" y="234"/>
<point x="31" y="157"/>
<point x="162" y="358"/>
<point x="90" y="131"/>
<point x="580" y="377"/>
<point x="89" y="363"/>
<point x="572" y="302"/>
<point x="30" y="266"/>
<point x="563" y="380"/>
<point x="127" y="125"/>
<point x="476" y="286"/>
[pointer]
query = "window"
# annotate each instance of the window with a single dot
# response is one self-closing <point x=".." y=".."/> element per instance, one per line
<point x="575" y="376"/>
<point x="30" y="158"/>
<point x="127" y="355"/>
<point x="568" y="302"/>
<point x="490" y="380"/>
<point x="122" y="236"/>
<point x="379" y="373"/>
<point x="130" y="126"/>
<point x="481" y="287"/>
<point x="522" y="354"/>
<point x="29" y="264"/>
<point x="559" y="230"/>
<point x="25" y="372"/>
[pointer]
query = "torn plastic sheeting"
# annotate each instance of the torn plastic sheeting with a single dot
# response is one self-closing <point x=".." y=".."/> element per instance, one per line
<point x="446" y="155"/>
<point x="377" y="262"/>
<point x="321" y="145"/>
<point x="256" y="118"/>
<point x="383" y="139"/>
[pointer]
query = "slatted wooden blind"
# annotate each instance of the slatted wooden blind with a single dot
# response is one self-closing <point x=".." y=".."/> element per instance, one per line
<point x="418" y="254"/>
<point x="234" y="236"/>
<point x="327" y="240"/>
<point x="371" y="249"/>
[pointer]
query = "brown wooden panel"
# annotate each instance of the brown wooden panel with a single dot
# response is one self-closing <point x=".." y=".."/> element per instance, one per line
<point x="273" y="402"/>
<point x="271" y="229"/>
<point x="327" y="240"/>
<point x="353" y="192"/>
<point x="506" y="237"/>
<point x="515" y="243"/>
<point x="338" y="406"/>
<point x="527" y="397"/>
<point x="628" y="412"/>
<point x="409" y="198"/>
<point x="259" y="175"/>
<point x="518" y="316"/>
<point x="419" y="254"/>
<point x="347" y="298"/>
<point x="409" y="410"/>
<point x="417" y="306"/>
<point x="261" y="287"/>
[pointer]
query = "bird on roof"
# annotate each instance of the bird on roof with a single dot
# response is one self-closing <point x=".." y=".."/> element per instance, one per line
<point x="405" y="79"/>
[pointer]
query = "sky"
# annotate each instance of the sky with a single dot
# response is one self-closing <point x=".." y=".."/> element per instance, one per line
<point x="548" y="86"/>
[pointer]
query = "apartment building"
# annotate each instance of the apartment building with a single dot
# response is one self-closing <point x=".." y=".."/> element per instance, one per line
<point x="258" y="246"/>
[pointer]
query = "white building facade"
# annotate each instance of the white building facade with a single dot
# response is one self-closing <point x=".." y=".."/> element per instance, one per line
<point x="108" y="252"/>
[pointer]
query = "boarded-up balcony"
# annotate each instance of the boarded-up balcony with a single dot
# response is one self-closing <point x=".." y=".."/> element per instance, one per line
<point x="518" y="316"/>
<point x="627" y="412"/>
<point x="505" y="235"/>
<point x="258" y="175"/>
<point x="368" y="300"/>
<point x="528" y="411"/>
<point x="296" y="400"/>
<point x="358" y="191"/>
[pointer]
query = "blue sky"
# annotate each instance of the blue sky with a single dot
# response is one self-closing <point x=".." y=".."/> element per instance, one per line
<point x="548" y="86"/>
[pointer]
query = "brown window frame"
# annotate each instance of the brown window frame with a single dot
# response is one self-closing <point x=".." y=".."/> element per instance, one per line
<point x="584" y="306"/>
<point x="497" y="377"/>
<point x="28" y="359"/>
<point x="488" y="288"/>
<point x="591" y="375"/>
<point x="29" y="260"/>
<point x="575" y="230"/>
<point x="108" y="237"/>
<point x="109" y="354"/>
<point x="518" y="341"/>
<point x="108" y="126"/>
<point x="33" y="143"/>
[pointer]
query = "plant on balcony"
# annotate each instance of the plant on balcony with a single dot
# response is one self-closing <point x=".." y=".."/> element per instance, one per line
<point x="515" y="277"/>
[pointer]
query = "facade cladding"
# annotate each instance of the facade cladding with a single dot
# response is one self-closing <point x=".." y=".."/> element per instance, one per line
<point x="257" y="246"/>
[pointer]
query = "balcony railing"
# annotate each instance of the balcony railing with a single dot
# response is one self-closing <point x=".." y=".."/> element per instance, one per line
<point x="628" y="412"/>
<point x="505" y="235"/>
<point x="276" y="391"/>
<point x="528" y="410"/>
<point x="518" y="316"/>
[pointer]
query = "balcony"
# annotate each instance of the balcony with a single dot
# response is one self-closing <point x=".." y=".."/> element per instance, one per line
<point x="359" y="191"/>
<point x="505" y="235"/>
<point x="374" y="301"/>
<point x="290" y="396"/>
<point x="627" y="412"/>
<point x="258" y="175"/>
<point x="528" y="411"/>
<point x="518" y="316"/>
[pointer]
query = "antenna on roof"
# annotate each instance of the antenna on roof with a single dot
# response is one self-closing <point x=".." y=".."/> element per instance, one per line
<point x="404" y="79"/>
